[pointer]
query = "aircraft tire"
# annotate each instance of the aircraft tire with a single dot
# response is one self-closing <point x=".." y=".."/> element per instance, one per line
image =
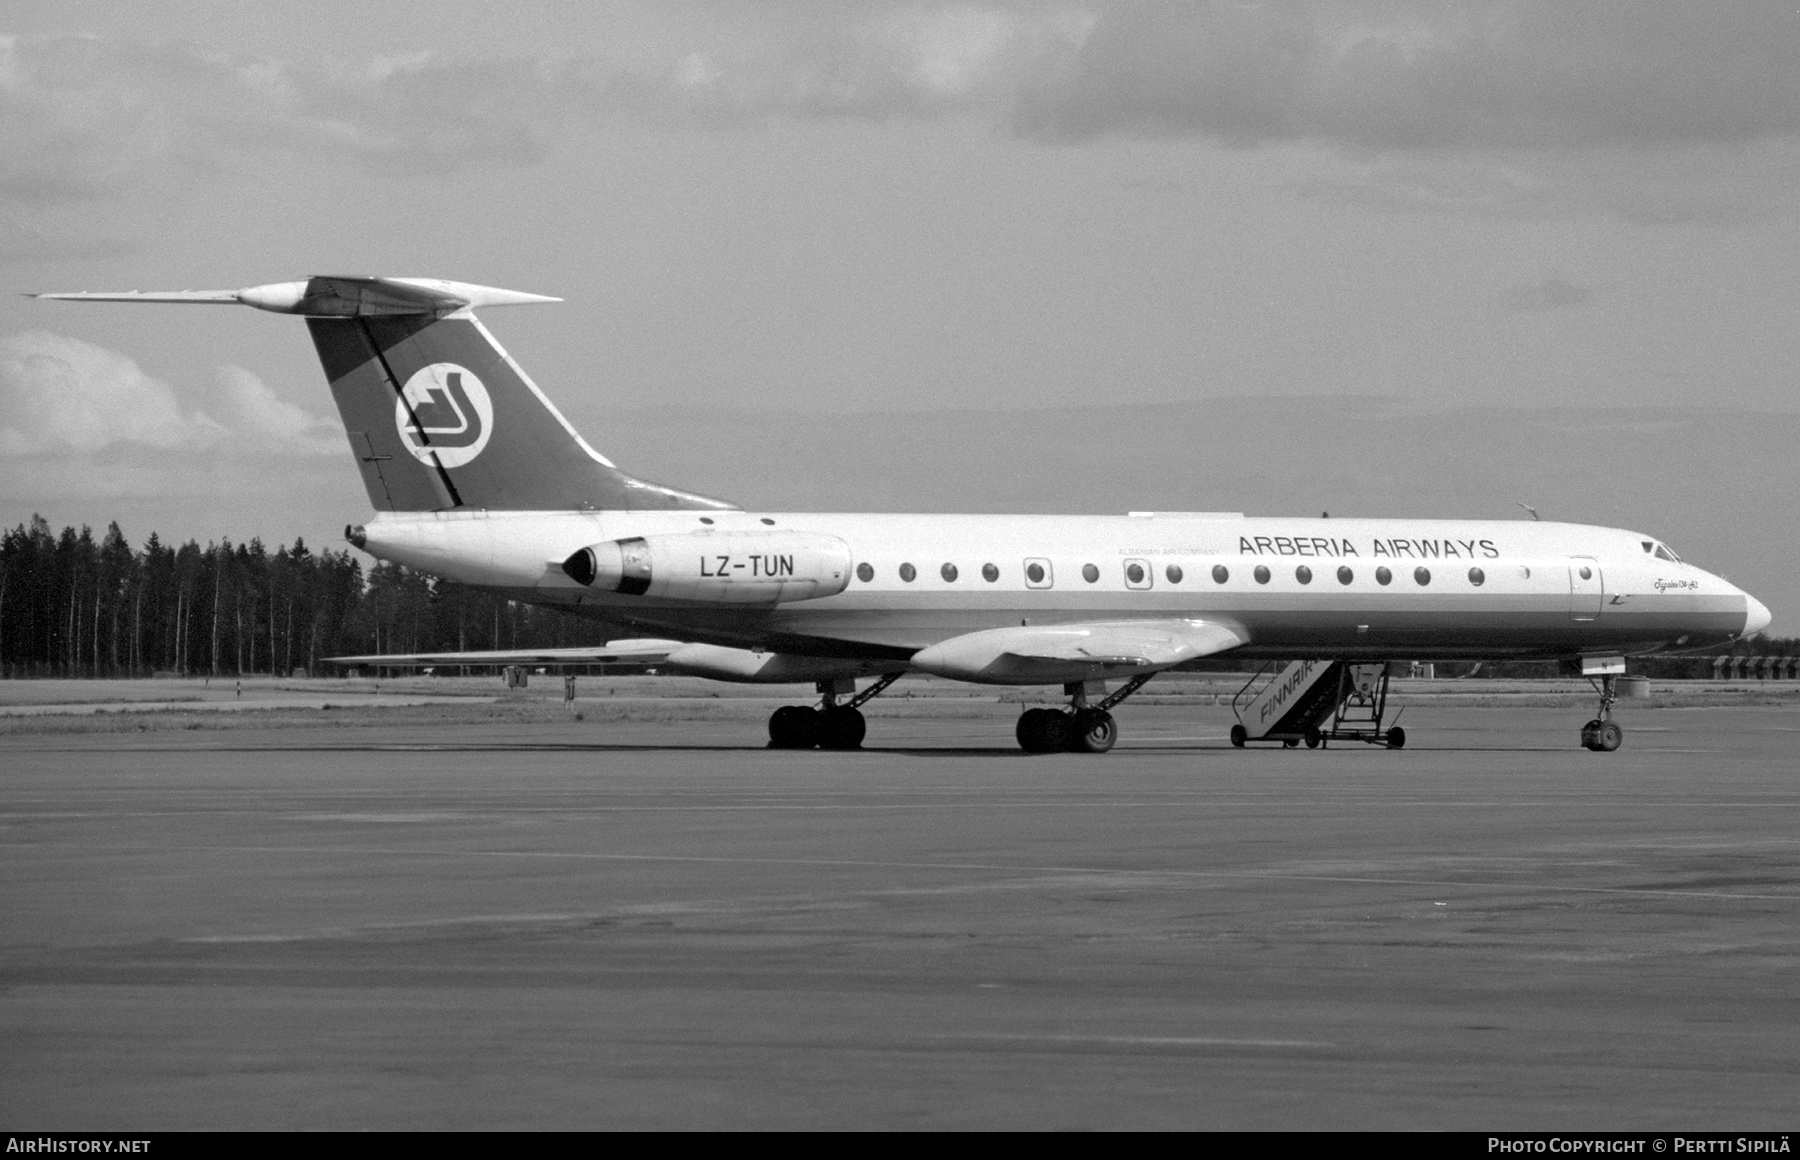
<point x="1043" y="731"/>
<point x="1239" y="735"/>
<point x="1290" y="742"/>
<point x="1093" y="731"/>
<point x="842" y="729"/>
<point x="1590" y="736"/>
<point x="1027" y="731"/>
<point x="1314" y="739"/>
<point x="1396" y="738"/>
<point x="1611" y="737"/>
<point x="793" y="727"/>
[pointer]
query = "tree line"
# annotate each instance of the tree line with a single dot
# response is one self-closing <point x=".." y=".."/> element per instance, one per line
<point x="72" y="605"/>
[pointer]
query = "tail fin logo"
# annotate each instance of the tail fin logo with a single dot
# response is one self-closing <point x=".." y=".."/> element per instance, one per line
<point x="444" y="410"/>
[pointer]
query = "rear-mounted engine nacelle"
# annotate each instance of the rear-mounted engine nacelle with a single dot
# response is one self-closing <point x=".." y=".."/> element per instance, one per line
<point x="722" y="567"/>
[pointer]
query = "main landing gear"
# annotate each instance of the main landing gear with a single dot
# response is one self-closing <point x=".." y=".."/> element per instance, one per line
<point x="1081" y="728"/>
<point x="831" y="725"/>
<point x="1602" y="734"/>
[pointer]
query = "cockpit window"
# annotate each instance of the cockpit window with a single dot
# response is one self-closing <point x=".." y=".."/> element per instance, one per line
<point x="1663" y="553"/>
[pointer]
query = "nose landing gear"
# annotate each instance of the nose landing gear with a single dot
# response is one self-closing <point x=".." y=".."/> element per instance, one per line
<point x="1602" y="734"/>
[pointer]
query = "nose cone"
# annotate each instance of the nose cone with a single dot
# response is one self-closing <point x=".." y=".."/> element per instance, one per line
<point x="1756" y="615"/>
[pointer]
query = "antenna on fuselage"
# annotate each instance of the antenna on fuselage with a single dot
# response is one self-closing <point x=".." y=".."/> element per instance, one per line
<point x="1528" y="508"/>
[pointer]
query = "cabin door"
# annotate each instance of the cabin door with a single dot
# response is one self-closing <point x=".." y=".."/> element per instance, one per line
<point x="1585" y="588"/>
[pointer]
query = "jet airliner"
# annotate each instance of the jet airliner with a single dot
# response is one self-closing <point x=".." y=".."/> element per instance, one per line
<point x="475" y="476"/>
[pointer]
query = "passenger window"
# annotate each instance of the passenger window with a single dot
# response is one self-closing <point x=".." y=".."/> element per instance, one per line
<point x="1261" y="574"/>
<point x="1383" y="577"/>
<point x="1345" y="575"/>
<point x="865" y="573"/>
<point x="1173" y="572"/>
<point x="1138" y="574"/>
<point x="990" y="573"/>
<point x="1221" y="573"/>
<point x="1422" y="576"/>
<point x="1303" y="574"/>
<point x="948" y="572"/>
<point x="1038" y="574"/>
<point x="1090" y="573"/>
<point x="907" y="572"/>
<point x="1477" y="577"/>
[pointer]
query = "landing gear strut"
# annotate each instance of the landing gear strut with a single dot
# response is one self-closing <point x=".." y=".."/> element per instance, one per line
<point x="1602" y="734"/>
<point x="832" y="725"/>
<point x="1081" y="728"/>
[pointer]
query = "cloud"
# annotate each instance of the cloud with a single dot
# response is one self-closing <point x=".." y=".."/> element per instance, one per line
<point x="262" y="420"/>
<point x="63" y="394"/>
<point x="1429" y="75"/>
<point x="85" y="117"/>
<point x="60" y="396"/>
<point x="1553" y="293"/>
<point x="828" y="61"/>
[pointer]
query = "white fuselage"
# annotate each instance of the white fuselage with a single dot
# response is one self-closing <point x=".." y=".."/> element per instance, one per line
<point x="1291" y="587"/>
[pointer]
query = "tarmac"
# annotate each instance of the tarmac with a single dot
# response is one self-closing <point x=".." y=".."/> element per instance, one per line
<point x="660" y="924"/>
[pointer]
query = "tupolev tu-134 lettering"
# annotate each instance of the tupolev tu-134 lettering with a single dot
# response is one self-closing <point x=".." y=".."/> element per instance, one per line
<point x="475" y="476"/>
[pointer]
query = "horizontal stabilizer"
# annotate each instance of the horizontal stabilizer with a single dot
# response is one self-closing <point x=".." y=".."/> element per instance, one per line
<point x="332" y="296"/>
<point x="642" y="652"/>
<point x="1073" y="652"/>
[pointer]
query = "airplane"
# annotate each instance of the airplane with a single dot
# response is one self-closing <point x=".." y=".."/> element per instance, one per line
<point x="475" y="476"/>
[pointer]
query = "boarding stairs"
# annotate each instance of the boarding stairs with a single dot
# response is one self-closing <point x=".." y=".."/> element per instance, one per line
<point x="1315" y="701"/>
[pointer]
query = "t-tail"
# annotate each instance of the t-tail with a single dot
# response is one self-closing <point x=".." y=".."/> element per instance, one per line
<point x="439" y="416"/>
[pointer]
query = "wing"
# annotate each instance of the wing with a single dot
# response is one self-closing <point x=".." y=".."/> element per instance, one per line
<point x="643" y="652"/>
<point x="1074" y="652"/>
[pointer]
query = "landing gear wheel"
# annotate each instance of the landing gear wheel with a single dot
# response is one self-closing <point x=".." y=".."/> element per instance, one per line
<point x="1290" y="742"/>
<point x="1590" y="735"/>
<point x="842" y="728"/>
<point x="780" y="731"/>
<point x="1610" y="738"/>
<point x="1093" y="731"/>
<point x="1043" y="731"/>
<point x="1314" y="739"/>
<point x="1029" y="732"/>
<point x="793" y="727"/>
<point x="1239" y="735"/>
<point x="1396" y="738"/>
<point x="1026" y="730"/>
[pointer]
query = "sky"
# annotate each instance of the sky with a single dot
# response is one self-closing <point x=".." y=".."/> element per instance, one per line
<point x="899" y="211"/>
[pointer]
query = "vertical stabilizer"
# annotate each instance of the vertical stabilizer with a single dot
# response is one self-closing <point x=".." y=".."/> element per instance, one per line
<point x="439" y="416"/>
